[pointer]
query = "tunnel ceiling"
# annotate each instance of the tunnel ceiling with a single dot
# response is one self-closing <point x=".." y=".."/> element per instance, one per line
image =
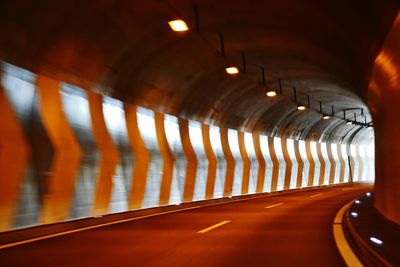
<point x="127" y="50"/>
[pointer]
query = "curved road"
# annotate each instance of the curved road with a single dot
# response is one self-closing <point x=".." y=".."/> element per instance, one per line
<point x="293" y="229"/>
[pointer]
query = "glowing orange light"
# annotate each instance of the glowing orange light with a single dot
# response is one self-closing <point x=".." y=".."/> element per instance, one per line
<point x="232" y="70"/>
<point x="178" y="25"/>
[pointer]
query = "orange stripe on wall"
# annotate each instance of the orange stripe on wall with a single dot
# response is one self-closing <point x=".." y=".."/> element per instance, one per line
<point x="288" y="172"/>
<point x="342" y="163"/>
<point x="212" y="161"/>
<point x="322" y="162"/>
<point x="191" y="160"/>
<point x="261" y="163"/>
<point x="141" y="155"/>
<point x="300" y="166"/>
<point x="230" y="162"/>
<point x="108" y="155"/>
<point x="246" y="163"/>
<point x="67" y="156"/>
<point x="168" y="159"/>
<point x="275" y="164"/>
<point x="14" y="153"/>
<point x="312" y="164"/>
<point x="333" y="164"/>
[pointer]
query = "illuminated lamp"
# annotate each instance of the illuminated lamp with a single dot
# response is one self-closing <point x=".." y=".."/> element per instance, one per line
<point x="301" y="107"/>
<point x="178" y="25"/>
<point x="232" y="70"/>
<point x="271" y="93"/>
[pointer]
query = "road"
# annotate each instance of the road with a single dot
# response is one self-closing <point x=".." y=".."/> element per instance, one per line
<point x="293" y="229"/>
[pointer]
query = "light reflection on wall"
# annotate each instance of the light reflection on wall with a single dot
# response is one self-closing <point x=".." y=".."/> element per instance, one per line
<point x="293" y="178"/>
<point x="324" y="152"/>
<point x="19" y="88"/>
<point x="178" y="176"/>
<point x="346" y="163"/>
<point x="114" y="117"/>
<point x="355" y="165"/>
<point x="303" y="153"/>
<point x="268" y="161"/>
<point x="337" y="161"/>
<point x="147" y="130"/>
<point x="248" y="141"/>
<point x="215" y="139"/>
<point x="370" y="153"/>
<point x="74" y="102"/>
<point x="196" y="138"/>
<point x="234" y="146"/>
<point x="362" y="158"/>
<point x="282" y="163"/>
<point x="314" y="154"/>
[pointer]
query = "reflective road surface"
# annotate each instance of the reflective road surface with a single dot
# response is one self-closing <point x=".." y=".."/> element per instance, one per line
<point x="292" y="229"/>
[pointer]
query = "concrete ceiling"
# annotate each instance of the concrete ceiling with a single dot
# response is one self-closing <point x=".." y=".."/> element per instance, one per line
<point x="126" y="49"/>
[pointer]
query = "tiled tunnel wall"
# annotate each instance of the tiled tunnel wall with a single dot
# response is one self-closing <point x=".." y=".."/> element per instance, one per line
<point x="67" y="153"/>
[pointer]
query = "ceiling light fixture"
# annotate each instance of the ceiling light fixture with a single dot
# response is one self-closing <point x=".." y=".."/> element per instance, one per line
<point x="178" y="25"/>
<point x="326" y="117"/>
<point x="301" y="107"/>
<point x="232" y="70"/>
<point x="349" y="122"/>
<point x="271" y="93"/>
<point x="376" y="240"/>
<point x="354" y="214"/>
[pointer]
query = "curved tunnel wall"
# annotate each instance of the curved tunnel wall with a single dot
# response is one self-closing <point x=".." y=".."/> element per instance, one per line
<point x="79" y="154"/>
<point x="383" y="99"/>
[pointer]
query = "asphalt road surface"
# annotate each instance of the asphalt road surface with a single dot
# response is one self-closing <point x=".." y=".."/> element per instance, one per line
<point x="293" y="229"/>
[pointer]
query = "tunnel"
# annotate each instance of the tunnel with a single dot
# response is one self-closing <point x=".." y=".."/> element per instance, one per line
<point x="144" y="133"/>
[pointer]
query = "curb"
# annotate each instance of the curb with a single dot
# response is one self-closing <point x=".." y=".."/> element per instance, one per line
<point x="342" y="244"/>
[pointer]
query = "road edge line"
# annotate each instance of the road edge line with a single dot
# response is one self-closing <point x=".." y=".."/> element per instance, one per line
<point x="39" y="238"/>
<point x="272" y="206"/>
<point x="212" y="227"/>
<point x="349" y="257"/>
<point x="250" y="197"/>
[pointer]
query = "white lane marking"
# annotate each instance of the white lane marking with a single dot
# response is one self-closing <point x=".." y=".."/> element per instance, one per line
<point x="344" y="248"/>
<point x="317" y="195"/>
<point x="345" y="189"/>
<point x="22" y="242"/>
<point x="269" y="207"/>
<point x="17" y="243"/>
<point x="205" y="230"/>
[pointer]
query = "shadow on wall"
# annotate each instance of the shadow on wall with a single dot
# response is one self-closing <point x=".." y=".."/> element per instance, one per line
<point x="67" y="153"/>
